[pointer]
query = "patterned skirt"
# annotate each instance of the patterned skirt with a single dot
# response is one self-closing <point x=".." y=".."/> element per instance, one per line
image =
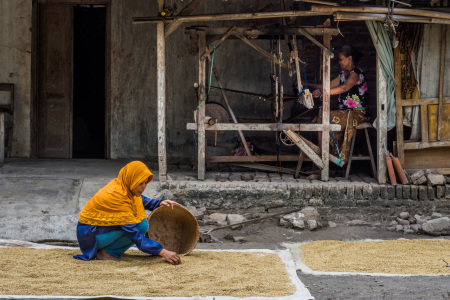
<point x="348" y="119"/>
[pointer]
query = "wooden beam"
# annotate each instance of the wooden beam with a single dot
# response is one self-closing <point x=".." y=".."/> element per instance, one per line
<point x="305" y="148"/>
<point x="346" y="16"/>
<point x="186" y="11"/>
<point x="161" y="93"/>
<point x="230" y="17"/>
<point x="262" y="51"/>
<point x="424" y="123"/>
<point x="424" y="145"/>
<point x="321" y="2"/>
<point x="160" y="5"/>
<point x="398" y="105"/>
<point x="320" y="45"/>
<point x="441" y="80"/>
<point x="381" y="123"/>
<point x="222" y="39"/>
<point x="264" y="127"/>
<point x="2" y="137"/>
<point x="301" y="158"/>
<point x="201" y="138"/>
<point x="266" y="31"/>
<point x="255" y="158"/>
<point x="318" y="151"/>
<point x="326" y="109"/>
<point x="381" y="10"/>
<point x="266" y="168"/>
<point x="424" y="101"/>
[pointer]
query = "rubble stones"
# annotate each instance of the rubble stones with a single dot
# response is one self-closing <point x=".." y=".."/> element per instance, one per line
<point x="439" y="226"/>
<point x="239" y="239"/>
<point x="358" y="223"/>
<point x="436" y="215"/>
<point x="402" y="222"/>
<point x="435" y="179"/>
<point x="235" y="218"/>
<point x="307" y="218"/>
<point x="331" y="224"/>
<point x="404" y="215"/>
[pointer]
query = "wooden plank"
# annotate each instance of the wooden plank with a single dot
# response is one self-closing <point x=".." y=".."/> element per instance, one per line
<point x="441" y="81"/>
<point x="2" y="137"/>
<point x="345" y="16"/>
<point x="381" y="124"/>
<point x="301" y="158"/>
<point x="268" y="31"/>
<point x="161" y="94"/>
<point x="321" y="2"/>
<point x="222" y="39"/>
<point x="326" y="109"/>
<point x="160" y="5"/>
<point x="264" y="127"/>
<point x="187" y="10"/>
<point x="305" y="148"/>
<point x="381" y="10"/>
<point x="201" y="138"/>
<point x="398" y="105"/>
<point x="423" y="101"/>
<point x="230" y="17"/>
<point x="431" y="158"/>
<point x="266" y="168"/>
<point x="424" y="123"/>
<point x="255" y="158"/>
<point x="318" y="151"/>
<point x="424" y="145"/>
<point x="444" y="171"/>
<point x="262" y="51"/>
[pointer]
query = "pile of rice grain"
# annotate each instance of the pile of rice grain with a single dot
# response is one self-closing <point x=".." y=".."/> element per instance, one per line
<point x="27" y="271"/>
<point x="418" y="257"/>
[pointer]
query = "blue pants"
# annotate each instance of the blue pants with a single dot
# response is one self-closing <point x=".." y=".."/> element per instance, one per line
<point x="115" y="243"/>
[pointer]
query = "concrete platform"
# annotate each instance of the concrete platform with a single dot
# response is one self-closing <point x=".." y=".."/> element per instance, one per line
<point x="41" y="198"/>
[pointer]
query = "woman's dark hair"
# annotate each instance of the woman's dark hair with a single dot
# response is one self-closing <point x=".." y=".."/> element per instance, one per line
<point x="348" y="50"/>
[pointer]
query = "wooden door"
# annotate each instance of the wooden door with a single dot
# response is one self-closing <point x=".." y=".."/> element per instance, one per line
<point x="55" y="81"/>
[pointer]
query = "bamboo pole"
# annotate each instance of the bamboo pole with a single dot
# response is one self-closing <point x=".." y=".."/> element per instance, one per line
<point x="349" y="16"/>
<point x="381" y="123"/>
<point x="187" y="10"/>
<point x="398" y="106"/>
<point x="326" y="110"/>
<point x="441" y="81"/>
<point x="229" y="17"/>
<point x="201" y="110"/>
<point x="381" y="10"/>
<point x="161" y="94"/>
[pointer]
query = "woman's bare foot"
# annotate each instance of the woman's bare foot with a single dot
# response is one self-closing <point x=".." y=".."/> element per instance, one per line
<point x="102" y="255"/>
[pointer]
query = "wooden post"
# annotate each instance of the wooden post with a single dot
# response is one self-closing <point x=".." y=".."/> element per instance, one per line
<point x="161" y="92"/>
<point x="2" y="137"/>
<point x="441" y="80"/>
<point x="326" y="109"/>
<point x="381" y="123"/>
<point x="398" y="106"/>
<point x="201" y="137"/>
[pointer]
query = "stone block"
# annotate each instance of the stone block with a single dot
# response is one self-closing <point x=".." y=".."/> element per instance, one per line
<point x="325" y="192"/>
<point x="404" y="215"/>
<point x="435" y="179"/>
<point x="318" y="191"/>
<point x="331" y="202"/>
<point x="431" y="192"/>
<point x="363" y="202"/>
<point x="416" y="175"/>
<point x="276" y="203"/>
<point x="315" y="202"/>
<point x="423" y="193"/>
<point x="406" y="193"/>
<point x="413" y="192"/>
<point x="358" y="192"/>
<point x="366" y="190"/>
<point x="309" y="190"/>
<point x="409" y="203"/>
<point x="390" y="192"/>
<point x="378" y="202"/>
<point x="350" y="191"/>
<point x="447" y="191"/>
<point x="399" y="191"/>
<point x="383" y="191"/>
<point x="440" y="191"/>
<point x="348" y="203"/>
<point x="239" y="239"/>
<point x="375" y="194"/>
<point x="439" y="226"/>
<point x="334" y="193"/>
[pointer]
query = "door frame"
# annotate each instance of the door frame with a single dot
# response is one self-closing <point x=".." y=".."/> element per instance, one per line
<point x="34" y="122"/>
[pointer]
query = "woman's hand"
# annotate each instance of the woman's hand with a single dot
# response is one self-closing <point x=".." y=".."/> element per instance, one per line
<point x="168" y="203"/>
<point x="170" y="256"/>
<point x="317" y="93"/>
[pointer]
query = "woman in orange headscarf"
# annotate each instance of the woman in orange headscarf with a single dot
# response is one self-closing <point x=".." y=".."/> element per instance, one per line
<point x="114" y="219"/>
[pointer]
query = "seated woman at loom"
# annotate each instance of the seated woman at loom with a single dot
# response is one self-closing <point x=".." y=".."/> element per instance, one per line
<point x="114" y="219"/>
<point x="351" y="86"/>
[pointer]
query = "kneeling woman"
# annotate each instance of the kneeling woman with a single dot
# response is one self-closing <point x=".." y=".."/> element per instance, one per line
<point x="114" y="219"/>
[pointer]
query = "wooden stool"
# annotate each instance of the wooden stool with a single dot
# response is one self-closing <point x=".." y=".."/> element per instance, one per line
<point x="364" y="126"/>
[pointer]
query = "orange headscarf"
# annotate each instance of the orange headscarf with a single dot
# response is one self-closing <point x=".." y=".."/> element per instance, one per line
<point x="114" y="204"/>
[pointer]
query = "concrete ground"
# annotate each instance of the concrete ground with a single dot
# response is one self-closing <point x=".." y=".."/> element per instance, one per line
<point x="41" y="199"/>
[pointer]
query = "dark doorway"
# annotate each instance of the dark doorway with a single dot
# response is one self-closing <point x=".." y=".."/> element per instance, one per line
<point x="89" y="81"/>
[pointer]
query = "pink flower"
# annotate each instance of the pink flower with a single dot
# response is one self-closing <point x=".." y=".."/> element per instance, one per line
<point x="351" y="103"/>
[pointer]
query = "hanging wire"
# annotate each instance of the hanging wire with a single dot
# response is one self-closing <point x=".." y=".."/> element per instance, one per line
<point x="209" y="87"/>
